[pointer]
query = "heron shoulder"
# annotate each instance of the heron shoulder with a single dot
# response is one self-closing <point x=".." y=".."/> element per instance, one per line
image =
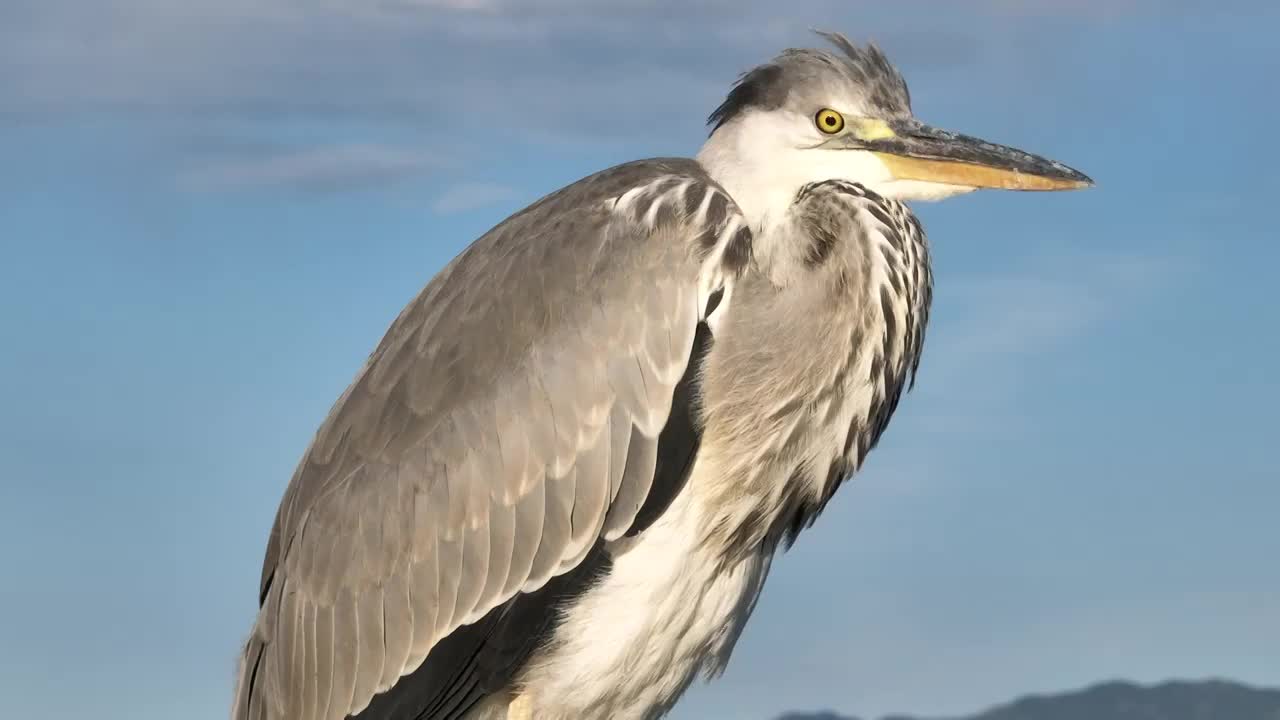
<point x="522" y="281"/>
<point x="680" y="192"/>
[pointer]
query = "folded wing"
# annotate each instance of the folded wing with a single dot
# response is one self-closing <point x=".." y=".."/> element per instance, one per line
<point x="507" y="424"/>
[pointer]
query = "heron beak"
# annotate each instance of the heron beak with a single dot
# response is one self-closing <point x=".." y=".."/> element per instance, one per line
<point x="914" y="151"/>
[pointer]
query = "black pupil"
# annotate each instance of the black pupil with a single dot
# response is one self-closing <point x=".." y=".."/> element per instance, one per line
<point x="830" y="120"/>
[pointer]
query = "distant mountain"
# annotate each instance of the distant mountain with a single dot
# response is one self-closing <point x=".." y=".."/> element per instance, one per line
<point x="1206" y="700"/>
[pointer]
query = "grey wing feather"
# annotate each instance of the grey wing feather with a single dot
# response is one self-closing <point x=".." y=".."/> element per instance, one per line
<point x="637" y="475"/>
<point x="346" y="630"/>
<point x="508" y="419"/>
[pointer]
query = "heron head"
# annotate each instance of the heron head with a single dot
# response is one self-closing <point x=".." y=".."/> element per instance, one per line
<point x="811" y="115"/>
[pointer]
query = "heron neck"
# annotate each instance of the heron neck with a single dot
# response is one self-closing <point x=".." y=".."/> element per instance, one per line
<point x="761" y="186"/>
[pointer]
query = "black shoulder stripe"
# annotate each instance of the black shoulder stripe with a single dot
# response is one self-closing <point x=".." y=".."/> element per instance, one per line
<point x="678" y="444"/>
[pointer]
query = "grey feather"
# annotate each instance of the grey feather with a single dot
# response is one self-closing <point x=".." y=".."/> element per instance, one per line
<point x="555" y="530"/>
<point x="530" y="513"/>
<point x="502" y="521"/>
<point x="591" y="501"/>
<point x="619" y="445"/>
<point x="324" y="658"/>
<point x="474" y="570"/>
<point x="346" y="638"/>
<point x="853" y="71"/>
<point x="309" y="669"/>
<point x="637" y="476"/>
<point x="397" y="626"/>
<point x="287" y="645"/>
<point x="449" y="572"/>
<point x="423" y="598"/>
<point x="367" y="668"/>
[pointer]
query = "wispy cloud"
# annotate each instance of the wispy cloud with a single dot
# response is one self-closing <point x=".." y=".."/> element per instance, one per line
<point x="1032" y="308"/>
<point x="420" y="61"/>
<point x="320" y="168"/>
<point x="471" y="196"/>
<point x="564" y="71"/>
<point x="1100" y="10"/>
<point x="993" y="330"/>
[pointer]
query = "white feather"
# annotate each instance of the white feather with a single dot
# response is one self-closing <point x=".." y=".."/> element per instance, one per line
<point x="667" y="611"/>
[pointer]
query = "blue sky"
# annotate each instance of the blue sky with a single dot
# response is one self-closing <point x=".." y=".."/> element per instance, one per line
<point x="210" y="212"/>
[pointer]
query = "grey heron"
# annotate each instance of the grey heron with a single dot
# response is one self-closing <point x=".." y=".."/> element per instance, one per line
<point x="556" y="486"/>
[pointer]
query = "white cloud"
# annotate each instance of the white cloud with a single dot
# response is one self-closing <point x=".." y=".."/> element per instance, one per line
<point x="1008" y="317"/>
<point x="471" y="196"/>
<point x="559" y="63"/>
<point x="315" y="168"/>
<point x="563" y="71"/>
<point x="992" y="333"/>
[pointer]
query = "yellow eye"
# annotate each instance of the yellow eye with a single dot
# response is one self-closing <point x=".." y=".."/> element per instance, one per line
<point x="829" y="121"/>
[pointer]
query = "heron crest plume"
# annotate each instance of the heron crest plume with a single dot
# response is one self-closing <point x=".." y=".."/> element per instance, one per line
<point x="766" y="86"/>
